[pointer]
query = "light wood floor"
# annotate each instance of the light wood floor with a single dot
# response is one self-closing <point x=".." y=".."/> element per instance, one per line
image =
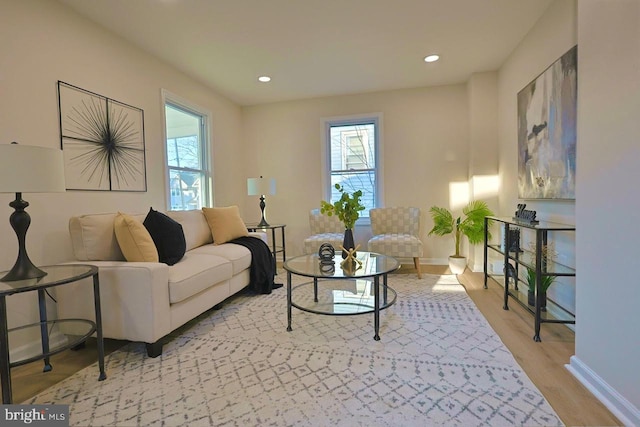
<point x="543" y="362"/>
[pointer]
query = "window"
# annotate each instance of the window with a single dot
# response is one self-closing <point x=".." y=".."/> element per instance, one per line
<point x="186" y="147"/>
<point x="352" y="146"/>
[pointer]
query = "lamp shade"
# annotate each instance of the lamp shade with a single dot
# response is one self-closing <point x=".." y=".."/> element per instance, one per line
<point x="31" y="169"/>
<point x="261" y="186"/>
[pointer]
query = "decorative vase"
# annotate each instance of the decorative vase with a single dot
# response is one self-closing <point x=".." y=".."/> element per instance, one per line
<point x="531" y="300"/>
<point x="457" y="264"/>
<point x="348" y="242"/>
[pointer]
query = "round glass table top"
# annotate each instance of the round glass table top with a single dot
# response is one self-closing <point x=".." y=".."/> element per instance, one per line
<point x="367" y="264"/>
<point x="56" y="275"/>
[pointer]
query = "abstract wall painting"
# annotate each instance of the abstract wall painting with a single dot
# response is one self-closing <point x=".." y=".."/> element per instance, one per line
<point x="547" y="110"/>
<point x="102" y="142"/>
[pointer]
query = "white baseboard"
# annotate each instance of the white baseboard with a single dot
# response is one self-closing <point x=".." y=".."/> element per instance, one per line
<point x="626" y="412"/>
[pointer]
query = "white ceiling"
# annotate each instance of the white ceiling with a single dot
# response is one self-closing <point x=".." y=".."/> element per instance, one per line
<point x="323" y="47"/>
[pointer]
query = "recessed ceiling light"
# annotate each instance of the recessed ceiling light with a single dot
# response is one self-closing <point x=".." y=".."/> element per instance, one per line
<point x="264" y="79"/>
<point x="431" y="58"/>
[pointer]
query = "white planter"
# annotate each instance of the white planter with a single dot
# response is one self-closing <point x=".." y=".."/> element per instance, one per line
<point x="457" y="265"/>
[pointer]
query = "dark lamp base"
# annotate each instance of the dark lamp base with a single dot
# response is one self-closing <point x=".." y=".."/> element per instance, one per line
<point x="263" y="222"/>
<point x="20" y="220"/>
<point x="23" y="270"/>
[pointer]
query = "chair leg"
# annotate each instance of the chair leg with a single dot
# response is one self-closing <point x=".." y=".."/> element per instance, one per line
<point x="416" y="263"/>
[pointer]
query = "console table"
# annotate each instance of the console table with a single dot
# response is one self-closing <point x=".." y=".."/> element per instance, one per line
<point x="57" y="275"/>
<point x="536" y="260"/>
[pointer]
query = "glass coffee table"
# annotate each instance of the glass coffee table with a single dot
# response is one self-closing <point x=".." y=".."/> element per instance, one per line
<point x="338" y="289"/>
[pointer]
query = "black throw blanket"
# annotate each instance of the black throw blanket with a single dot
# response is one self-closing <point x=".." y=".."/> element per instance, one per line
<point x="263" y="266"/>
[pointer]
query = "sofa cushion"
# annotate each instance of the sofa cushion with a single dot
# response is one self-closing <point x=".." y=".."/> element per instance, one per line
<point x="225" y="224"/>
<point x="134" y="240"/>
<point x="195" y="273"/>
<point x="167" y="235"/>
<point x="195" y="227"/>
<point x="239" y="256"/>
<point x="93" y="238"/>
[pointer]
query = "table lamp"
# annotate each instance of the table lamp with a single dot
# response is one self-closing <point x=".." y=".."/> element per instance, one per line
<point x="260" y="187"/>
<point x="27" y="169"/>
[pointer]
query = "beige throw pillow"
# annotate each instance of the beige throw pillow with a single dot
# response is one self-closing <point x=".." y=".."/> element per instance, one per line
<point x="135" y="241"/>
<point x="225" y="224"/>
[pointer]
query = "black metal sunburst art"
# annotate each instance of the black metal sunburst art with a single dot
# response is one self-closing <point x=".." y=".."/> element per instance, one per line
<point x="102" y="141"/>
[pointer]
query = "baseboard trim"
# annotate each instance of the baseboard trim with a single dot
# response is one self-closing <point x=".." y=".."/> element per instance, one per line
<point x="626" y="412"/>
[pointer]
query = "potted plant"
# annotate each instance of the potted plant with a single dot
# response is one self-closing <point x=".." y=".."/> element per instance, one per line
<point x="471" y="226"/>
<point x="347" y="208"/>
<point x="548" y="253"/>
<point x="545" y="282"/>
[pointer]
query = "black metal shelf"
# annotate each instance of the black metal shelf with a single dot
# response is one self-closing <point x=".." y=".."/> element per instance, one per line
<point x="528" y="259"/>
<point x="555" y="313"/>
<point x="534" y="260"/>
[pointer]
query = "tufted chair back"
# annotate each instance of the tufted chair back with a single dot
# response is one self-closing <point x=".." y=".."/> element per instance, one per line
<point x="395" y="220"/>
<point x="396" y="233"/>
<point x="324" y="229"/>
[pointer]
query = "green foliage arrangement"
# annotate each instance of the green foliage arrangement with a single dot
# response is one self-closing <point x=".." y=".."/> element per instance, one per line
<point x="471" y="226"/>
<point x="347" y="208"/>
<point x="545" y="281"/>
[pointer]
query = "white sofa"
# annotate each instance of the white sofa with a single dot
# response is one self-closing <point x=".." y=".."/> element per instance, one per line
<point x="145" y="301"/>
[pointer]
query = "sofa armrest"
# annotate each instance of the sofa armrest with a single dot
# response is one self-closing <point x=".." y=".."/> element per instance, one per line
<point x="259" y="234"/>
<point x="134" y="300"/>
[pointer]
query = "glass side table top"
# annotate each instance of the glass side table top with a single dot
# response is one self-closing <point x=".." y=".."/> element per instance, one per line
<point x="56" y="275"/>
<point x="373" y="264"/>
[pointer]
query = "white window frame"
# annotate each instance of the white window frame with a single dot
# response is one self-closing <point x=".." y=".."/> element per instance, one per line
<point x="206" y="151"/>
<point x="327" y="123"/>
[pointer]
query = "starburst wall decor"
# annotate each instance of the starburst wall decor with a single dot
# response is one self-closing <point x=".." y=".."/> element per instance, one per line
<point x="102" y="142"/>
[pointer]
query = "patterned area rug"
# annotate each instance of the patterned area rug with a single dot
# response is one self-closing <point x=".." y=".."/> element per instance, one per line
<point x="438" y="363"/>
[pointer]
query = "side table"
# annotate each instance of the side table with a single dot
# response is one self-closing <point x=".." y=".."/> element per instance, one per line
<point x="57" y="275"/>
<point x="276" y="249"/>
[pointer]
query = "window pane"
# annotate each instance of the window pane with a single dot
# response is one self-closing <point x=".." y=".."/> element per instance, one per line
<point x="352" y="147"/>
<point x="353" y="161"/>
<point x="184" y="152"/>
<point x="186" y="190"/>
<point x="186" y="158"/>
<point x="354" y="181"/>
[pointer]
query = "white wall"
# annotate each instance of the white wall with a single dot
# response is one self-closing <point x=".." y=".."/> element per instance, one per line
<point x="607" y="204"/>
<point x="608" y="164"/>
<point x="482" y="91"/>
<point x="42" y="42"/>
<point x="553" y="35"/>
<point x="421" y="127"/>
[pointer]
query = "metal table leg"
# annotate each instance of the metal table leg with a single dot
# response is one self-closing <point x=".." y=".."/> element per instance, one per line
<point x="289" y="301"/>
<point x="96" y="297"/>
<point x="5" y="367"/>
<point x="376" y="308"/>
<point x="315" y="289"/>
<point x="44" y="333"/>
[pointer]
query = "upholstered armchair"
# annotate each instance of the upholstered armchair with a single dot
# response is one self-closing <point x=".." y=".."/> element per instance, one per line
<point x="395" y="233"/>
<point x="324" y="228"/>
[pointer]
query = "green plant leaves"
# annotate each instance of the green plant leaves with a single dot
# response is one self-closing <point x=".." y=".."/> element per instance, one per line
<point x="347" y="208"/>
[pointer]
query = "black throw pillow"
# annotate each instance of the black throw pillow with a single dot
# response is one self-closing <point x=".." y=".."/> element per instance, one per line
<point x="168" y="236"/>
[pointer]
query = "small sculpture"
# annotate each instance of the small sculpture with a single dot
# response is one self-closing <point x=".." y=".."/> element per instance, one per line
<point x="524" y="215"/>
<point x="349" y="263"/>
<point x="326" y="252"/>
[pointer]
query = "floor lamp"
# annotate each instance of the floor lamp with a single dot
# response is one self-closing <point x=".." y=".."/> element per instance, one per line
<point x="260" y="187"/>
<point x="27" y="169"/>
